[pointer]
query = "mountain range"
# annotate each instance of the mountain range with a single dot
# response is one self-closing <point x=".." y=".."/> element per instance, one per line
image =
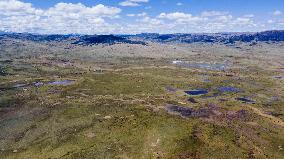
<point x="143" y="38"/>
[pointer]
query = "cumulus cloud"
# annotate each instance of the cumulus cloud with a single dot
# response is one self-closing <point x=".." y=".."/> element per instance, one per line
<point x="18" y="16"/>
<point x="276" y="13"/>
<point x="213" y="13"/>
<point x="17" y="8"/>
<point x="131" y="15"/>
<point x="249" y="15"/>
<point x="143" y="14"/>
<point x="208" y="21"/>
<point x="180" y="17"/>
<point x="179" y="4"/>
<point x="132" y="3"/>
<point x="65" y="18"/>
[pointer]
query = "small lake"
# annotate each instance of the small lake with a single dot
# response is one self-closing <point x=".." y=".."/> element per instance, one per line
<point x="245" y="100"/>
<point x="196" y="92"/>
<point x="20" y="85"/>
<point x="64" y="82"/>
<point x="278" y="77"/>
<point x="202" y="65"/>
<point x="37" y="84"/>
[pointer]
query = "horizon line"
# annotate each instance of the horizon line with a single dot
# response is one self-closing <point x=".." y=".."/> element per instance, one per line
<point x="7" y="32"/>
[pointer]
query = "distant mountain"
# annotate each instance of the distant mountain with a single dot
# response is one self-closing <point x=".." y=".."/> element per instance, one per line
<point x="72" y="38"/>
<point x="37" y="37"/>
<point x="105" y="39"/>
<point x="273" y="36"/>
<point x="142" y="39"/>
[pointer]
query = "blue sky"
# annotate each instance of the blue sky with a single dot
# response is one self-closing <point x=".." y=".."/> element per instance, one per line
<point x="237" y="7"/>
<point x="135" y="16"/>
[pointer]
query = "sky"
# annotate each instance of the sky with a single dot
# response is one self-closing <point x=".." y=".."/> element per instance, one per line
<point x="140" y="16"/>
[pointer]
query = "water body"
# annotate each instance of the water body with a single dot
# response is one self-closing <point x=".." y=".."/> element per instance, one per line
<point x="37" y="84"/>
<point x="64" y="82"/>
<point x="225" y="89"/>
<point x="202" y="65"/>
<point x="19" y="85"/>
<point x="278" y="77"/>
<point x="196" y="92"/>
<point x="3" y="72"/>
<point x="245" y="100"/>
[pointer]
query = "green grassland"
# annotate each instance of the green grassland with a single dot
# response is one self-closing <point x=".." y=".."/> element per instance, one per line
<point x="119" y="111"/>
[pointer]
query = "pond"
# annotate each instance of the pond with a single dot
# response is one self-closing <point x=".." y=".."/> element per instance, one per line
<point x="202" y="65"/>
<point x="37" y="84"/>
<point x="3" y="72"/>
<point x="64" y="82"/>
<point x="245" y="100"/>
<point x="196" y="92"/>
<point x="278" y="77"/>
<point x="20" y="85"/>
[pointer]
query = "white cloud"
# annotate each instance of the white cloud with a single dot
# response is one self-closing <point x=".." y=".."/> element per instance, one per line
<point x="175" y="15"/>
<point x="132" y="3"/>
<point x="243" y="21"/>
<point x="208" y="21"/>
<point x="128" y="4"/>
<point x="148" y="7"/>
<point x="179" y="4"/>
<point x="213" y="13"/>
<point x="152" y="21"/>
<point x="270" y="21"/>
<point x="276" y="13"/>
<point x="80" y="11"/>
<point x="143" y="14"/>
<point x="18" y="16"/>
<point x="65" y="18"/>
<point x="180" y="17"/>
<point x="249" y="15"/>
<point x="17" y="8"/>
<point x="131" y="15"/>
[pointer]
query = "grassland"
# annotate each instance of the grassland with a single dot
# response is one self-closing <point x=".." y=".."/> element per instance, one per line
<point x="116" y="106"/>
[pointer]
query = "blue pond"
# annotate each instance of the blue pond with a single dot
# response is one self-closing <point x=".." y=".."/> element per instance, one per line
<point x="19" y="85"/>
<point x="37" y="84"/>
<point x="64" y="82"/>
<point x="228" y="89"/>
<point x="278" y="77"/>
<point x="196" y="92"/>
<point x="245" y="100"/>
<point x="202" y="65"/>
